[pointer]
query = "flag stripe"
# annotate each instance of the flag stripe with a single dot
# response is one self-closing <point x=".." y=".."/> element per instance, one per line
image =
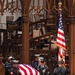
<point x="22" y="70"/>
<point x="31" y="72"/>
<point x="60" y="36"/>
<point x="60" y="32"/>
<point x="35" y="72"/>
<point x="60" y="39"/>
<point x="60" y="45"/>
<point x="27" y="70"/>
<point x="31" y="69"/>
<point x="61" y="42"/>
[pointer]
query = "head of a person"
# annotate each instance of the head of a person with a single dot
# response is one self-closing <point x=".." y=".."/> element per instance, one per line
<point x="10" y="59"/>
<point x="36" y="57"/>
<point x="42" y="61"/>
<point x="60" y="63"/>
<point x="15" y="62"/>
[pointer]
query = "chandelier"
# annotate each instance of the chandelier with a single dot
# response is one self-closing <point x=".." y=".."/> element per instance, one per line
<point x="11" y="6"/>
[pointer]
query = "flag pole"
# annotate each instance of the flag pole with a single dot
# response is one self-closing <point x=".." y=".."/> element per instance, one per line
<point x="60" y="41"/>
<point x="60" y="6"/>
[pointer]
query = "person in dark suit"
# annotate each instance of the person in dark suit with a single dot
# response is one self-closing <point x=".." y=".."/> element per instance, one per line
<point x="61" y="69"/>
<point x="8" y="65"/>
<point x="15" y="69"/>
<point x="34" y="63"/>
<point x="43" y="68"/>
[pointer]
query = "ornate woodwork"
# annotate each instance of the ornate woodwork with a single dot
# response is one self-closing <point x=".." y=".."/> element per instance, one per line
<point x="49" y="12"/>
<point x="10" y="6"/>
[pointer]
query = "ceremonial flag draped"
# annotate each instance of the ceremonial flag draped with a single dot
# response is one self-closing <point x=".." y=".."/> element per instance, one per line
<point x="25" y="69"/>
<point x="60" y="41"/>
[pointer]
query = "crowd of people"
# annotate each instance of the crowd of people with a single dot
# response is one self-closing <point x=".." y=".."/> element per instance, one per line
<point x="39" y="63"/>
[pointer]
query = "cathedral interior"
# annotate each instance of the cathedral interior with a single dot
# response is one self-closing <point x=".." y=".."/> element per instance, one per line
<point x="29" y="27"/>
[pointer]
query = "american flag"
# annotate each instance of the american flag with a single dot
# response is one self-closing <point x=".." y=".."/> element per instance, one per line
<point x="26" y="69"/>
<point x="60" y="35"/>
<point x="60" y="41"/>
